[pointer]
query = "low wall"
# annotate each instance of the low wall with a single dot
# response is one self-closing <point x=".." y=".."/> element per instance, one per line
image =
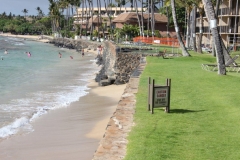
<point x="117" y="66"/>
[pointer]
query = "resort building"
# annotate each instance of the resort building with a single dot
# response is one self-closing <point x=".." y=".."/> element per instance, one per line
<point x="159" y="19"/>
<point x="120" y="16"/>
<point x="83" y="14"/>
<point x="228" y="24"/>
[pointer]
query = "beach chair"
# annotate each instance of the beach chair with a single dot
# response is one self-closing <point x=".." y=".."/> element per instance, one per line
<point x="162" y="54"/>
<point x="230" y="65"/>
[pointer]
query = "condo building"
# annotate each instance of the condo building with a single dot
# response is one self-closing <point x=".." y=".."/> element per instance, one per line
<point x="228" y="24"/>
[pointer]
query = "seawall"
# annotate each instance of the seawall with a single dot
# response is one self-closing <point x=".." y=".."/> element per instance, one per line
<point x="117" y="66"/>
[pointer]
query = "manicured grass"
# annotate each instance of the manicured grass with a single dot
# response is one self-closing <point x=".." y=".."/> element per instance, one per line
<point x="204" y="120"/>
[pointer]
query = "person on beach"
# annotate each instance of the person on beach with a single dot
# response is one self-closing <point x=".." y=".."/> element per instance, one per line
<point x="6" y="52"/>
<point x="101" y="49"/>
<point x="82" y="52"/>
<point x="98" y="50"/>
<point x="71" y="57"/>
<point x="60" y="55"/>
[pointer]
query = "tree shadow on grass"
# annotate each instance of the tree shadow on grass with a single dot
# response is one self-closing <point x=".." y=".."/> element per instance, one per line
<point x="182" y="111"/>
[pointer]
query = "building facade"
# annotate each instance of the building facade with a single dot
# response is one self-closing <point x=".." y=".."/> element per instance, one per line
<point x="228" y="24"/>
<point x="83" y="14"/>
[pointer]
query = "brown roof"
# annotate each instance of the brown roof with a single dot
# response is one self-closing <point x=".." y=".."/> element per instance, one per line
<point x="95" y="20"/>
<point x="132" y="17"/>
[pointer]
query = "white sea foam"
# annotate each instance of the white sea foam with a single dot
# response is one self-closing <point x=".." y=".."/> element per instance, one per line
<point x="19" y="44"/>
<point x="13" y="127"/>
<point x="45" y="100"/>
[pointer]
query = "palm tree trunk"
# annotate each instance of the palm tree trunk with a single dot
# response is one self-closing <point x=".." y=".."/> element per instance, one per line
<point x="167" y="21"/>
<point x="98" y="19"/>
<point x="86" y="15"/>
<point x="152" y="18"/>
<point x="148" y="19"/>
<point x="108" y="15"/>
<point x="188" y="27"/>
<point x="215" y="34"/>
<point x="100" y="6"/>
<point x="142" y="19"/>
<point x="216" y="12"/>
<point x="184" y="50"/>
<point x="199" y="45"/>
<point x="193" y="29"/>
<point x="139" y="23"/>
<point x="82" y="18"/>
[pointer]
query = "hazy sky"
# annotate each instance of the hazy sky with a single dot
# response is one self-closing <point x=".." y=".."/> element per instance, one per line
<point x="16" y="6"/>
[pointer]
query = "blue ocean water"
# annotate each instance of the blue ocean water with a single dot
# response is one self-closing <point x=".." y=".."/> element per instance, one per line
<point x="31" y="86"/>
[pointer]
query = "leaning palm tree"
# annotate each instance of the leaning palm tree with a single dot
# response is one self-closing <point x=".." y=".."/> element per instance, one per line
<point x="184" y="50"/>
<point x="25" y="11"/>
<point x="208" y="6"/>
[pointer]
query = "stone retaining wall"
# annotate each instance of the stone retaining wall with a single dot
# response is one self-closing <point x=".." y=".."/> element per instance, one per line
<point x="117" y="66"/>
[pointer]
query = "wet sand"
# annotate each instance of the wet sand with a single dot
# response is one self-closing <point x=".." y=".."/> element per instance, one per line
<point x="67" y="133"/>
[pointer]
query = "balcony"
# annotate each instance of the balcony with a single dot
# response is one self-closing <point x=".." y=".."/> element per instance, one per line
<point x="221" y="29"/>
<point x="223" y="11"/>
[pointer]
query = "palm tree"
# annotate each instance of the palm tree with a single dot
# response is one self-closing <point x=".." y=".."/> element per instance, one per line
<point x="40" y="12"/>
<point x="55" y="15"/>
<point x="208" y="6"/>
<point x="184" y="50"/>
<point x="189" y="7"/>
<point x="200" y="7"/>
<point x="25" y="11"/>
<point x="139" y="23"/>
<point x="193" y="27"/>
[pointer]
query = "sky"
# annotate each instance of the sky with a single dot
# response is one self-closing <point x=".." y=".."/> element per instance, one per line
<point x="16" y="6"/>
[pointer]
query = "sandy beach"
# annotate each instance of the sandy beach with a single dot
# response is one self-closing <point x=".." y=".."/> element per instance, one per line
<point x="68" y="133"/>
<point x="72" y="133"/>
<point x="30" y="37"/>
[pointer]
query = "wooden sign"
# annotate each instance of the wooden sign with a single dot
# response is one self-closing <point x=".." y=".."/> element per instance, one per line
<point x="161" y="96"/>
<point x="158" y="95"/>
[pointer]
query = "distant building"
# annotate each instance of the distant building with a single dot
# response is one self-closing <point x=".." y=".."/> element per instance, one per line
<point x="84" y="13"/>
<point x="228" y="24"/>
<point x="131" y="18"/>
<point x="119" y="16"/>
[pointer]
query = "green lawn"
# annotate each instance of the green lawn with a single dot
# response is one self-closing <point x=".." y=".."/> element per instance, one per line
<point x="204" y="120"/>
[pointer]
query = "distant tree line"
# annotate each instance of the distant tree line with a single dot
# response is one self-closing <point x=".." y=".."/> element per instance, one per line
<point x="32" y="25"/>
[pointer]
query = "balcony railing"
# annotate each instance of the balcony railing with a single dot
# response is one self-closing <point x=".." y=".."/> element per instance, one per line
<point x="223" y="11"/>
<point x="221" y="29"/>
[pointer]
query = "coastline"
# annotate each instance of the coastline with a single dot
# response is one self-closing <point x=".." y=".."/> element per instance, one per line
<point x="38" y="38"/>
<point x="66" y="133"/>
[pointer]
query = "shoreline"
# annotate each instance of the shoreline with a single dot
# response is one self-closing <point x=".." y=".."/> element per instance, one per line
<point x="67" y="133"/>
<point x="38" y="38"/>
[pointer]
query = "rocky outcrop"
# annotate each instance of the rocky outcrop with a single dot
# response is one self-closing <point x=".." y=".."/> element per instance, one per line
<point x="74" y="44"/>
<point x="117" y="66"/>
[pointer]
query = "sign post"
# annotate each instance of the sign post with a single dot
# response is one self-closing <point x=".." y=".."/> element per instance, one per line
<point x="158" y="96"/>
